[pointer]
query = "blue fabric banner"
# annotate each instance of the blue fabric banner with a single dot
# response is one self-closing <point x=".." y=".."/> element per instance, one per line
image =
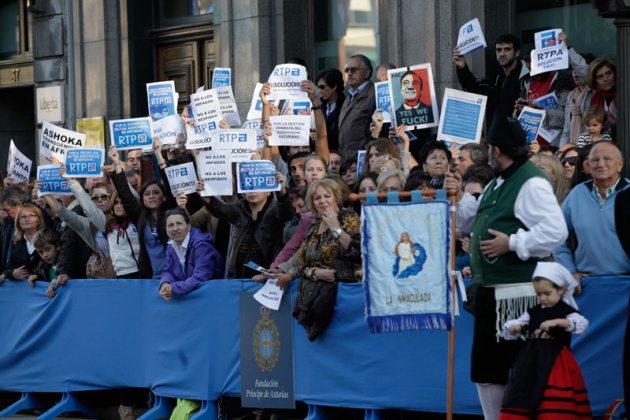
<point x="102" y="334"/>
<point x="407" y="281"/>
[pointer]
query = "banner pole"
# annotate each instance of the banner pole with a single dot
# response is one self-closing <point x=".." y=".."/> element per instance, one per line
<point x="451" y="335"/>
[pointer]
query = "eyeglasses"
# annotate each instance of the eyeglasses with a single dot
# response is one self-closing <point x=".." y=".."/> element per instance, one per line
<point x="101" y="197"/>
<point x="352" y="69"/>
<point x="322" y="87"/>
<point x="570" y="160"/>
<point x="28" y="216"/>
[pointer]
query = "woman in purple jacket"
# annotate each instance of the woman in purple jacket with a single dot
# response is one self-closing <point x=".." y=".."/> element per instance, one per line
<point x="190" y="257"/>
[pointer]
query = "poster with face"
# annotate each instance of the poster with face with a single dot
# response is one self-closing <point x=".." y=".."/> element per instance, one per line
<point x="413" y="96"/>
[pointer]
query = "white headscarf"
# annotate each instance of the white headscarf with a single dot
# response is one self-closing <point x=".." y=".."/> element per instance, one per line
<point x="560" y="276"/>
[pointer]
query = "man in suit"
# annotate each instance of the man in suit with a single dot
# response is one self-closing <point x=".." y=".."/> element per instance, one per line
<point x="356" y="112"/>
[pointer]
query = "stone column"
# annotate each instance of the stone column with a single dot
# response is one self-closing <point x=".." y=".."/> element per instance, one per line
<point x="623" y="88"/>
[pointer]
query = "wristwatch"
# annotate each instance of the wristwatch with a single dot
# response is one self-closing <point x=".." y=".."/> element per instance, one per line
<point x="337" y="233"/>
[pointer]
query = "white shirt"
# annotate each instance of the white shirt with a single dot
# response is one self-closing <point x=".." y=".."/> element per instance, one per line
<point x="536" y="207"/>
<point x="181" y="250"/>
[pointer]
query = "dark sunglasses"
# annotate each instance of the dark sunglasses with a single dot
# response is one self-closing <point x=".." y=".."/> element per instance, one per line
<point x="352" y="69"/>
<point x="570" y="160"/>
<point x="322" y="86"/>
<point x="101" y="197"/>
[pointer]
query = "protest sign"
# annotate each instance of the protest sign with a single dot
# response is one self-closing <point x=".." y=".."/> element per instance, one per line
<point x="216" y="170"/>
<point x="266" y="354"/>
<point x="383" y="99"/>
<point x="546" y="39"/>
<point x="221" y="76"/>
<point x="290" y="130"/>
<point x="406" y="266"/>
<point x="52" y="182"/>
<point x="470" y="37"/>
<point x="257" y="176"/>
<point x="207" y="112"/>
<point x="360" y="163"/>
<point x="133" y="133"/>
<point x="84" y="163"/>
<point x="548" y="134"/>
<point x="182" y="178"/>
<point x="462" y="116"/>
<point x="255" y="109"/>
<point x="270" y="295"/>
<point x="56" y="140"/>
<point x="286" y="80"/>
<point x="256" y="126"/>
<point x="167" y="129"/>
<point x="531" y="120"/>
<point x="548" y="101"/>
<point x="239" y="143"/>
<point x="229" y="110"/>
<point x="413" y="96"/>
<point x="549" y="54"/>
<point x="94" y="130"/>
<point x="18" y="165"/>
<point x="162" y="99"/>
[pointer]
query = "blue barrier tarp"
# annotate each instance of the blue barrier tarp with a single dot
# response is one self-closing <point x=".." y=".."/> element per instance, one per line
<point x="99" y="334"/>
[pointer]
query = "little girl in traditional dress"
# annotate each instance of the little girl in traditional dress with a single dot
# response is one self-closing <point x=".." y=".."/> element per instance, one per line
<point x="546" y="382"/>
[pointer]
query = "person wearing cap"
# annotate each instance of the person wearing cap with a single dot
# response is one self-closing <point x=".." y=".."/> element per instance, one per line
<point x="546" y="377"/>
<point x="515" y="225"/>
<point x="596" y="211"/>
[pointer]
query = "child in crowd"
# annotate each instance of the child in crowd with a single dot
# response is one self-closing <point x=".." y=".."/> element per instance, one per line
<point x="46" y="243"/>
<point x="597" y="126"/>
<point x="545" y="377"/>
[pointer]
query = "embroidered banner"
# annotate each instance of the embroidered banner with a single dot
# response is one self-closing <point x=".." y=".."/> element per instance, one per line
<point x="406" y="250"/>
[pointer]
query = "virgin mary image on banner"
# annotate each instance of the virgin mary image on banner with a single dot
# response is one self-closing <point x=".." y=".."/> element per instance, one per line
<point x="409" y="257"/>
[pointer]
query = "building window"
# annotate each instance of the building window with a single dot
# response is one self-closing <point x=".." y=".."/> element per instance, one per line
<point x="588" y="32"/>
<point x="15" y="29"/>
<point x="342" y="28"/>
<point x="182" y="12"/>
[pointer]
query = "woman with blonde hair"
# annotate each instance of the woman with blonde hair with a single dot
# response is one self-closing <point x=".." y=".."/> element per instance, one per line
<point x="24" y="259"/>
<point x="552" y="167"/>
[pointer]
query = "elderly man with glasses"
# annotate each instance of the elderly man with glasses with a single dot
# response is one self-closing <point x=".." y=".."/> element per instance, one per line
<point x="356" y="112"/>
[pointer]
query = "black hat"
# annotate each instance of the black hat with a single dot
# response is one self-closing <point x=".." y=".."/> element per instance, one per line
<point x="506" y="131"/>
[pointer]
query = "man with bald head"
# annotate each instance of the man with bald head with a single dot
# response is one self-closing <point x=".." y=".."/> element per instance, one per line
<point x="589" y="211"/>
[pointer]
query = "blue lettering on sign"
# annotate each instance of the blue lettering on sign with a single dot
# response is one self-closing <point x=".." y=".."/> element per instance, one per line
<point x="242" y="138"/>
<point x="295" y="72"/>
<point x="548" y="39"/>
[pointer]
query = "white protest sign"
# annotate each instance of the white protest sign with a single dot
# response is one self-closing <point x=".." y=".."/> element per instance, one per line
<point x="221" y="76"/>
<point x="52" y="182"/>
<point x="546" y="39"/>
<point x="270" y="295"/>
<point x="240" y="143"/>
<point x="549" y="134"/>
<point x="286" y="80"/>
<point x="56" y="140"/>
<point x="182" y="178"/>
<point x="548" y="101"/>
<point x="216" y="171"/>
<point x="18" y="165"/>
<point x="207" y="115"/>
<point x="84" y="163"/>
<point x="290" y="130"/>
<point x="256" y="126"/>
<point x="255" y="109"/>
<point x="549" y="55"/>
<point x="531" y="120"/>
<point x="470" y="37"/>
<point x="167" y="129"/>
<point x="383" y="100"/>
<point x="229" y="110"/>
<point x="257" y="176"/>
<point x="462" y="116"/>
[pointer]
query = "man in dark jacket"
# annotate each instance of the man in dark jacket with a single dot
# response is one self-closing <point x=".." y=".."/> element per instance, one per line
<point x="506" y="88"/>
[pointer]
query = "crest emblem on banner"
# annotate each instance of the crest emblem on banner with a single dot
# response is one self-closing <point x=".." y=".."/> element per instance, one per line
<point x="266" y="341"/>
<point x="406" y="265"/>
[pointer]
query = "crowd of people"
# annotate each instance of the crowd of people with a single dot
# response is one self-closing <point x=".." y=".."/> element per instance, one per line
<point x="511" y="197"/>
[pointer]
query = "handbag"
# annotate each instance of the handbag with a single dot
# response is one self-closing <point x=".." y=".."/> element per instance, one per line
<point x="100" y="267"/>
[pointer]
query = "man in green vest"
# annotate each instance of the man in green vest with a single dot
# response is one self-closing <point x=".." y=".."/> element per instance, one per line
<point x="518" y="222"/>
